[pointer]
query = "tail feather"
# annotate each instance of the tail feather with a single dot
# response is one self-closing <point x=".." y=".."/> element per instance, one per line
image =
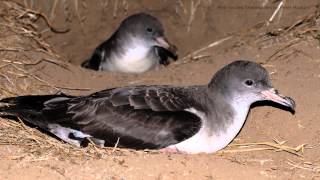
<point x="32" y="108"/>
<point x="34" y="102"/>
<point x="47" y="112"/>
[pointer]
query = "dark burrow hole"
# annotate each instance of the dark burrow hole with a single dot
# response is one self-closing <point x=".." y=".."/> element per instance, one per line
<point x="189" y="25"/>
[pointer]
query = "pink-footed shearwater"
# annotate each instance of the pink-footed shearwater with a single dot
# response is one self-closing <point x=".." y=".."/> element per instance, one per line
<point x="138" y="45"/>
<point x="191" y="119"/>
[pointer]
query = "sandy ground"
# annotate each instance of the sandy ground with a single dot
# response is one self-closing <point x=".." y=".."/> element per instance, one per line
<point x="291" y="56"/>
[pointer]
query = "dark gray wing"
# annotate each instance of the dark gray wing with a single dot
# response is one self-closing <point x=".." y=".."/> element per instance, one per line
<point x="141" y="117"/>
<point x="157" y="98"/>
<point x="101" y="54"/>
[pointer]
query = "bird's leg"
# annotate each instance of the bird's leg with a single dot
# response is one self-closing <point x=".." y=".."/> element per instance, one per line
<point x="173" y="149"/>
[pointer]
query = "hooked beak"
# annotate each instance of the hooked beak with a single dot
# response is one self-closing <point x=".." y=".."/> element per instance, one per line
<point x="171" y="49"/>
<point x="273" y="95"/>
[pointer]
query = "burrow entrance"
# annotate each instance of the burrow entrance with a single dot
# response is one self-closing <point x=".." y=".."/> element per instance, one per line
<point x="189" y="25"/>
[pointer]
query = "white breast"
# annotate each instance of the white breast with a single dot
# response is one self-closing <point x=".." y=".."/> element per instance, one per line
<point x="207" y="142"/>
<point x="134" y="60"/>
<point x="200" y="142"/>
<point x="222" y="139"/>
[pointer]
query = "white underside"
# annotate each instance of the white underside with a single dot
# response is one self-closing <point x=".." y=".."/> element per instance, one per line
<point x="135" y="59"/>
<point x="207" y="142"/>
<point x="204" y="141"/>
<point x="63" y="133"/>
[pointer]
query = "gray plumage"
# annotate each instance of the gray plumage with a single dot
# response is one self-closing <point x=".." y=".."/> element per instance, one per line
<point x="138" y="45"/>
<point x="191" y="119"/>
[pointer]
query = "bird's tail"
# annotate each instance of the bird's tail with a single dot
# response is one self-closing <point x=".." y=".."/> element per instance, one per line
<point x="23" y="102"/>
<point x="31" y="108"/>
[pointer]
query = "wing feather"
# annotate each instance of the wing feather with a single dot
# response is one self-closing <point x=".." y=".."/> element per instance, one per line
<point x="141" y="116"/>
<point x="157" y="98"/>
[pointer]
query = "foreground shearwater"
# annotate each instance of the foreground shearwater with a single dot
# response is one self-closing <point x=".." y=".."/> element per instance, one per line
<point x="191" y="119"/>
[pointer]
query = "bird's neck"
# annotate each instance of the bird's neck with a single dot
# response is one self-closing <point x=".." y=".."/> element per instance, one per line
<point x="225" y="120"/>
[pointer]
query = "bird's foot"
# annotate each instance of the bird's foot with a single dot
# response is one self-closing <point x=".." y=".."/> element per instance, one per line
<point x="173" y="149"/>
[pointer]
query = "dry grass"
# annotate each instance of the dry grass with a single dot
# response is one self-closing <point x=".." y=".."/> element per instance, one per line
<point x="37" y="145"/>
<point x="17" y="78"/>
<point x="262" y="146"/>
<point x="309" y="166"/>
<point x="20" y="37"/>
<point x="260" y="35"/>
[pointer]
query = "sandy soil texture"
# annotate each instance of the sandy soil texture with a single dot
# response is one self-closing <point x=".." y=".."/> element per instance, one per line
<point x="273" y="144"/>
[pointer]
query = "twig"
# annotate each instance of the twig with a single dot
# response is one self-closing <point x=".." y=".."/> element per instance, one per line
<point x="56" y="62"/>
<point x="276" y="11"/>
<point x="93" y="144"/>
<point x="116" y="145"/>
<point x="190" y="55"/>
<point x="76" y="4"/>
<point x="243" y="150"/>
<point x="7" y="78"/>
<point x="193" y="10"/>
<point x="33" y="15"/>
<point x="99" y="150"/>
<point x="12" y="49"/>
<point x="31" y="135"/>
<point x="115" y="9"/>
<point x="305" y="166"/>
<point x="5" y="65"/>
<point x="300" y="21"/>
<point x="35" y="77"/>
<point x="27" y="129"/>
<point x="290" y="44"/>
<point x="38" y="78"/>
<point x="12" y="63"/>
<point x="278" y="146"/>
<point x="211" y="45"/>
<point x="7" y="91"/>
<point x="19" y="75"/>
<point x="53" y="9"/>
<point x="309" y="30"/>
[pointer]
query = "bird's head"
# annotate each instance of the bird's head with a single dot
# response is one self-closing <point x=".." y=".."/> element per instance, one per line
<point x="247" y="82"/>
<point x="148" y="30"/>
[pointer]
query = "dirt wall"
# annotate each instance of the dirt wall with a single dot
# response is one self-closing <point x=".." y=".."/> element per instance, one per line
<point x="189" y="24"/>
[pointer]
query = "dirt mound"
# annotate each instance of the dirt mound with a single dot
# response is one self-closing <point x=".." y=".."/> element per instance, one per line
<point x="43" y="43"/>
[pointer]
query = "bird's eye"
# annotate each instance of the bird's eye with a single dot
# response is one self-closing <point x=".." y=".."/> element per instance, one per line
<point x="249" y="82"/>
<point x="149" y="29"/>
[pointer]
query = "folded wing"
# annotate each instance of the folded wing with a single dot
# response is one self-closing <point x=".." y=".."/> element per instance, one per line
<point x="139" y="117"/>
